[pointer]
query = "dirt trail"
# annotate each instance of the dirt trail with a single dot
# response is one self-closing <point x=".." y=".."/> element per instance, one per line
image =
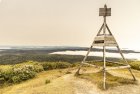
<point x="81" y="86"/>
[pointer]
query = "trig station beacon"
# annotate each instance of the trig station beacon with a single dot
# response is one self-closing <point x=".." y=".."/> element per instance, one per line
<point x="105" y="38"/>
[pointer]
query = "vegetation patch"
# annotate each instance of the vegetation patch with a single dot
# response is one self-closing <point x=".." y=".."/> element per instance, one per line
<point x="68" y="72"/>
<point x="135" y="65"/>
<point x="16" y="58"/>
<point x="11" y="74"/>
<point x="47" y="81"/>
<point x="111" y="81"/>
<point x="55" y="65"/>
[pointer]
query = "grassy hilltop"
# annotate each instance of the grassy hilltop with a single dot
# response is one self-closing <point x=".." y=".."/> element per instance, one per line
<point x="35" y="72"/>
<point x="58" y="78"/>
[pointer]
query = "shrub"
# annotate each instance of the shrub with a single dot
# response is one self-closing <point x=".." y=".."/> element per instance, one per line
<point x="68" y="72"/>
<point x="19" y="72"/>
<point x="135" y="65"/>
<point x="27" y="70"/>
<point x="47" y="81"/>
<point x="16" y="79"/>
<point x="2" y="81"/>
<point x="55" y="65"/>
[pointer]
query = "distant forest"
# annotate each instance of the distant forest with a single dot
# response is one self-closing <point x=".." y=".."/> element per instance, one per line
<point x="14" y="56"/>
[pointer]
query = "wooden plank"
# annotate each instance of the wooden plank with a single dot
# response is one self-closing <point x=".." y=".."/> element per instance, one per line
<point x="110" y="42"/>
<point x="104" y="11"/>
<point x="101" y="44"/>
<point x="99" y="38"/>
<point x="119" y="67"/>
<point x="109" y="38"/>
<point x="98" y="41"/>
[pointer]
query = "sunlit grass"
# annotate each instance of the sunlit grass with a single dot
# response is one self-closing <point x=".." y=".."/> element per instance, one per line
<point x="111" y="81"/>
<point x="38" y="83"/>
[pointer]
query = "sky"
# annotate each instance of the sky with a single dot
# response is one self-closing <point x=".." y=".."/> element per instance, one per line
<point x="67" y="22"/>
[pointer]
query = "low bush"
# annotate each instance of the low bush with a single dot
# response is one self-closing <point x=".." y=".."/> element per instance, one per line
<point x="68" y="72"/>
<point x="17" y="73"/>
<point x="55" y="65"/>
<point x="47" y="81"/>
<point x="20" y="72"/>
<point x="135" y="65"/>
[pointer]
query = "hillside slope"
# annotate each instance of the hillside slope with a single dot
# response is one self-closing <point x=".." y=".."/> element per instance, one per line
<point x="66" y="83"/>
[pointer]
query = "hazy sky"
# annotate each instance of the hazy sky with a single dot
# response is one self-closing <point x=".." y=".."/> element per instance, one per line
<point x="67" y="22"/>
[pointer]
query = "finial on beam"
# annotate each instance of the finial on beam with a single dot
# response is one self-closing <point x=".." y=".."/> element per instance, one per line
<point x="105" y="6"/>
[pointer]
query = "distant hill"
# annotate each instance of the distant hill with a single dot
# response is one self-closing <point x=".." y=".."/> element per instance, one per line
<point x="14" y="54"/>
<point x="49" y="49"/>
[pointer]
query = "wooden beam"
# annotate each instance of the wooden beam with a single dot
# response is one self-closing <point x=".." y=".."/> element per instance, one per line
<point x="104" y="55"/>
<point x="111" y="44"/>
<point x="109" y="38"/>
<point x="99" y="44"/>
<point x="116" y="62"/>
<point x="100" y="30"/>
<point x="126" y="63"/>
<point x="95" y="61"/>
<point x="99" y="38"/>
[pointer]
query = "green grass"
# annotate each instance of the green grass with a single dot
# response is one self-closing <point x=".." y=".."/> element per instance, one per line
<point x="111" y="81"/>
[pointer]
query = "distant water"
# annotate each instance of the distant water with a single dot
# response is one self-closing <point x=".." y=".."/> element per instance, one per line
<point x="135" y="56"/>
<point x="68" y="52"/>
<point x="2" y="47"/>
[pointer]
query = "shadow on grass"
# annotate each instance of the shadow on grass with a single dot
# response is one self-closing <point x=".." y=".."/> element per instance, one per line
<point x="111" y="80"/>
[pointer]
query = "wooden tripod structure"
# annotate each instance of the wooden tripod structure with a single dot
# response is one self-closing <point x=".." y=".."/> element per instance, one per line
<point x="103" y="40"/>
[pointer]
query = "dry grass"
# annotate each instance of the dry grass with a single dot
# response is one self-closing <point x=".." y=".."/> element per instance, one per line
<point x="5" y="67"/>
<point x="37" y="85"/>
<point x="111" y="80"/>
<point x="62" y="83"/>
